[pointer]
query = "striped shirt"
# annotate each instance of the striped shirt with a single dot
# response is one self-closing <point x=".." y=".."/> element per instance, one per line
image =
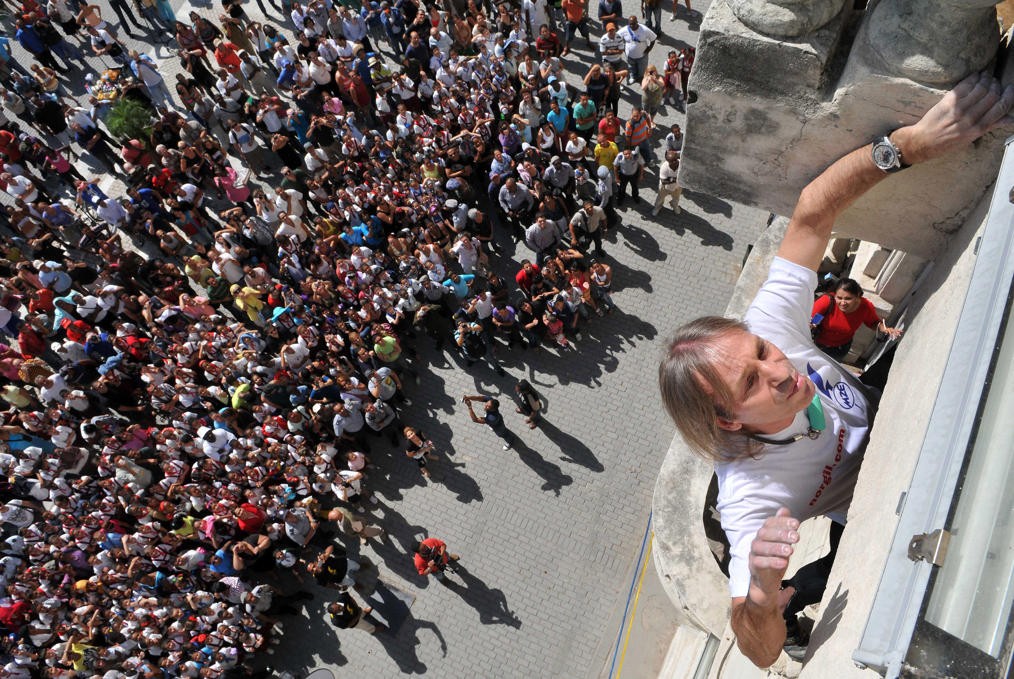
<point x="638" y="130"/>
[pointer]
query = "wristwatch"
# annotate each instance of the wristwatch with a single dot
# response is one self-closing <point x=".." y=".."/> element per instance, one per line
<point x="887" y="156"/>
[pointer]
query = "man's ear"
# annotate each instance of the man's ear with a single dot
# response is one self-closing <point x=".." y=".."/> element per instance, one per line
<point x="728" y="425"/>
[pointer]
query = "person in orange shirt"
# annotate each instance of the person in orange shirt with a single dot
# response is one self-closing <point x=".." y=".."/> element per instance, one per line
<point x="576" y="20"/>
<point x="226" y="55"/>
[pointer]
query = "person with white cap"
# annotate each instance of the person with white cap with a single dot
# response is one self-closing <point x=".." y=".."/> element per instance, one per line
<point x="52" y="276"/>
<point x="560" y="176"/>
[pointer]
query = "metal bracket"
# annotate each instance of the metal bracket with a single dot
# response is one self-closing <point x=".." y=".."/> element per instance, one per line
<point x="930" y="547"/>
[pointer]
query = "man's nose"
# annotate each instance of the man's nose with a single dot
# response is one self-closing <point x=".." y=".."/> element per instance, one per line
<point x="777" y="374"/>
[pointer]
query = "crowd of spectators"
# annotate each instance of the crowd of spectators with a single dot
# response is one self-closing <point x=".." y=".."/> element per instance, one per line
<point x="197" y="369"/>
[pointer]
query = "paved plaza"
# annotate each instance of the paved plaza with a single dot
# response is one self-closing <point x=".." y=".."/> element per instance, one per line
<point x="548" y="532"/>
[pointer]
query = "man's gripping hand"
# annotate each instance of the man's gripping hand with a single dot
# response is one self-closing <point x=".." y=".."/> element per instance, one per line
<point x="975" y="106"/>
<point x="757" y="618"/>
<point x="769" y="557"/>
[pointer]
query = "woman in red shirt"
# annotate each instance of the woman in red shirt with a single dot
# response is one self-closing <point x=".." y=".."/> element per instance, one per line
<point x="250" y="518"/>
<point x="837" y="316"/>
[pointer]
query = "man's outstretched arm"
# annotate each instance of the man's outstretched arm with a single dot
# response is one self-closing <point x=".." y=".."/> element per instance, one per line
<point x="976" y="105"/>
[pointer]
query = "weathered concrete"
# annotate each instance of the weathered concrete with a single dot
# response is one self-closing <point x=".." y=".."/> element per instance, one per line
<point x="759" y="135"/>
<point x="898" y="275"/>
<point x="686" y="567"/>
<point x="729" y="52"/>
<point x="937" y="46"/>
<point x="786" y="18"/>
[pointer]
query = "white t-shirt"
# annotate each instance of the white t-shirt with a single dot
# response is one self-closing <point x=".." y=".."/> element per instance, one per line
<point x="468" y="257"/>
<point x="809" y="477"/>
<point x="636" y="42"/>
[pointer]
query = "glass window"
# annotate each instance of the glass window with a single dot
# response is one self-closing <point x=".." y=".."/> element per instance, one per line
<point x="964" y="631"/>
<point x="971" y="595"/>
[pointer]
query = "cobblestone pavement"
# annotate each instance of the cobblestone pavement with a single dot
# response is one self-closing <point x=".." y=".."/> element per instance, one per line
<point x="549" y="531"/>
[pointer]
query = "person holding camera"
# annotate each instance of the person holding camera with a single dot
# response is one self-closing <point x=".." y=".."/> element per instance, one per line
<point x="431" y="557"/>
<point x="491" y="417"/>
<point x="471" y="337"/>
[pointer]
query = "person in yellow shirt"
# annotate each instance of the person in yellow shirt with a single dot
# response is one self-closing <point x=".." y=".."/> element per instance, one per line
<point x="606" y="152"/>
<point x="248" y="300"/>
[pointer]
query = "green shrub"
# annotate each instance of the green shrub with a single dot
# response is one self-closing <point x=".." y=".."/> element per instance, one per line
<point x="129" y="119"/>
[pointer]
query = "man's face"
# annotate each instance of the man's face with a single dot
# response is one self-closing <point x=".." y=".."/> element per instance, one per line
<point x="633" y="22"/>
<point x="767" y="390"/>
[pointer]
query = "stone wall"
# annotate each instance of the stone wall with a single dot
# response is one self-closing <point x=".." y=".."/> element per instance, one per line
<point x="778" y="101"/>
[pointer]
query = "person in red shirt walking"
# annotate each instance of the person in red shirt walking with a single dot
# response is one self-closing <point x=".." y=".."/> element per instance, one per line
<point x="431" y="556"/>
<point x="836" y="317"/>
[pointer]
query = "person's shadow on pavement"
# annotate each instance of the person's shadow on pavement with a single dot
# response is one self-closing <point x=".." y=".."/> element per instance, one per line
<point x="554" y="477"/>
<point x="572" y="448"/>
<point x="491" y="604"/>
<point x="465" y="488"/>
<point x="402" y="646"/>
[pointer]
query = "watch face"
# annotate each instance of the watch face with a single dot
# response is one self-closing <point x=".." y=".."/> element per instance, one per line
<point x="884" y="156"/>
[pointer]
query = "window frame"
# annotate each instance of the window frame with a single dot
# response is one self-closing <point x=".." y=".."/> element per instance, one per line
<point x="930" y="500"/>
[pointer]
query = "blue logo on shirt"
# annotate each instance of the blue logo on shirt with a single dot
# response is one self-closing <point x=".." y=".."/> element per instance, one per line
<point x="841" y="393"/>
